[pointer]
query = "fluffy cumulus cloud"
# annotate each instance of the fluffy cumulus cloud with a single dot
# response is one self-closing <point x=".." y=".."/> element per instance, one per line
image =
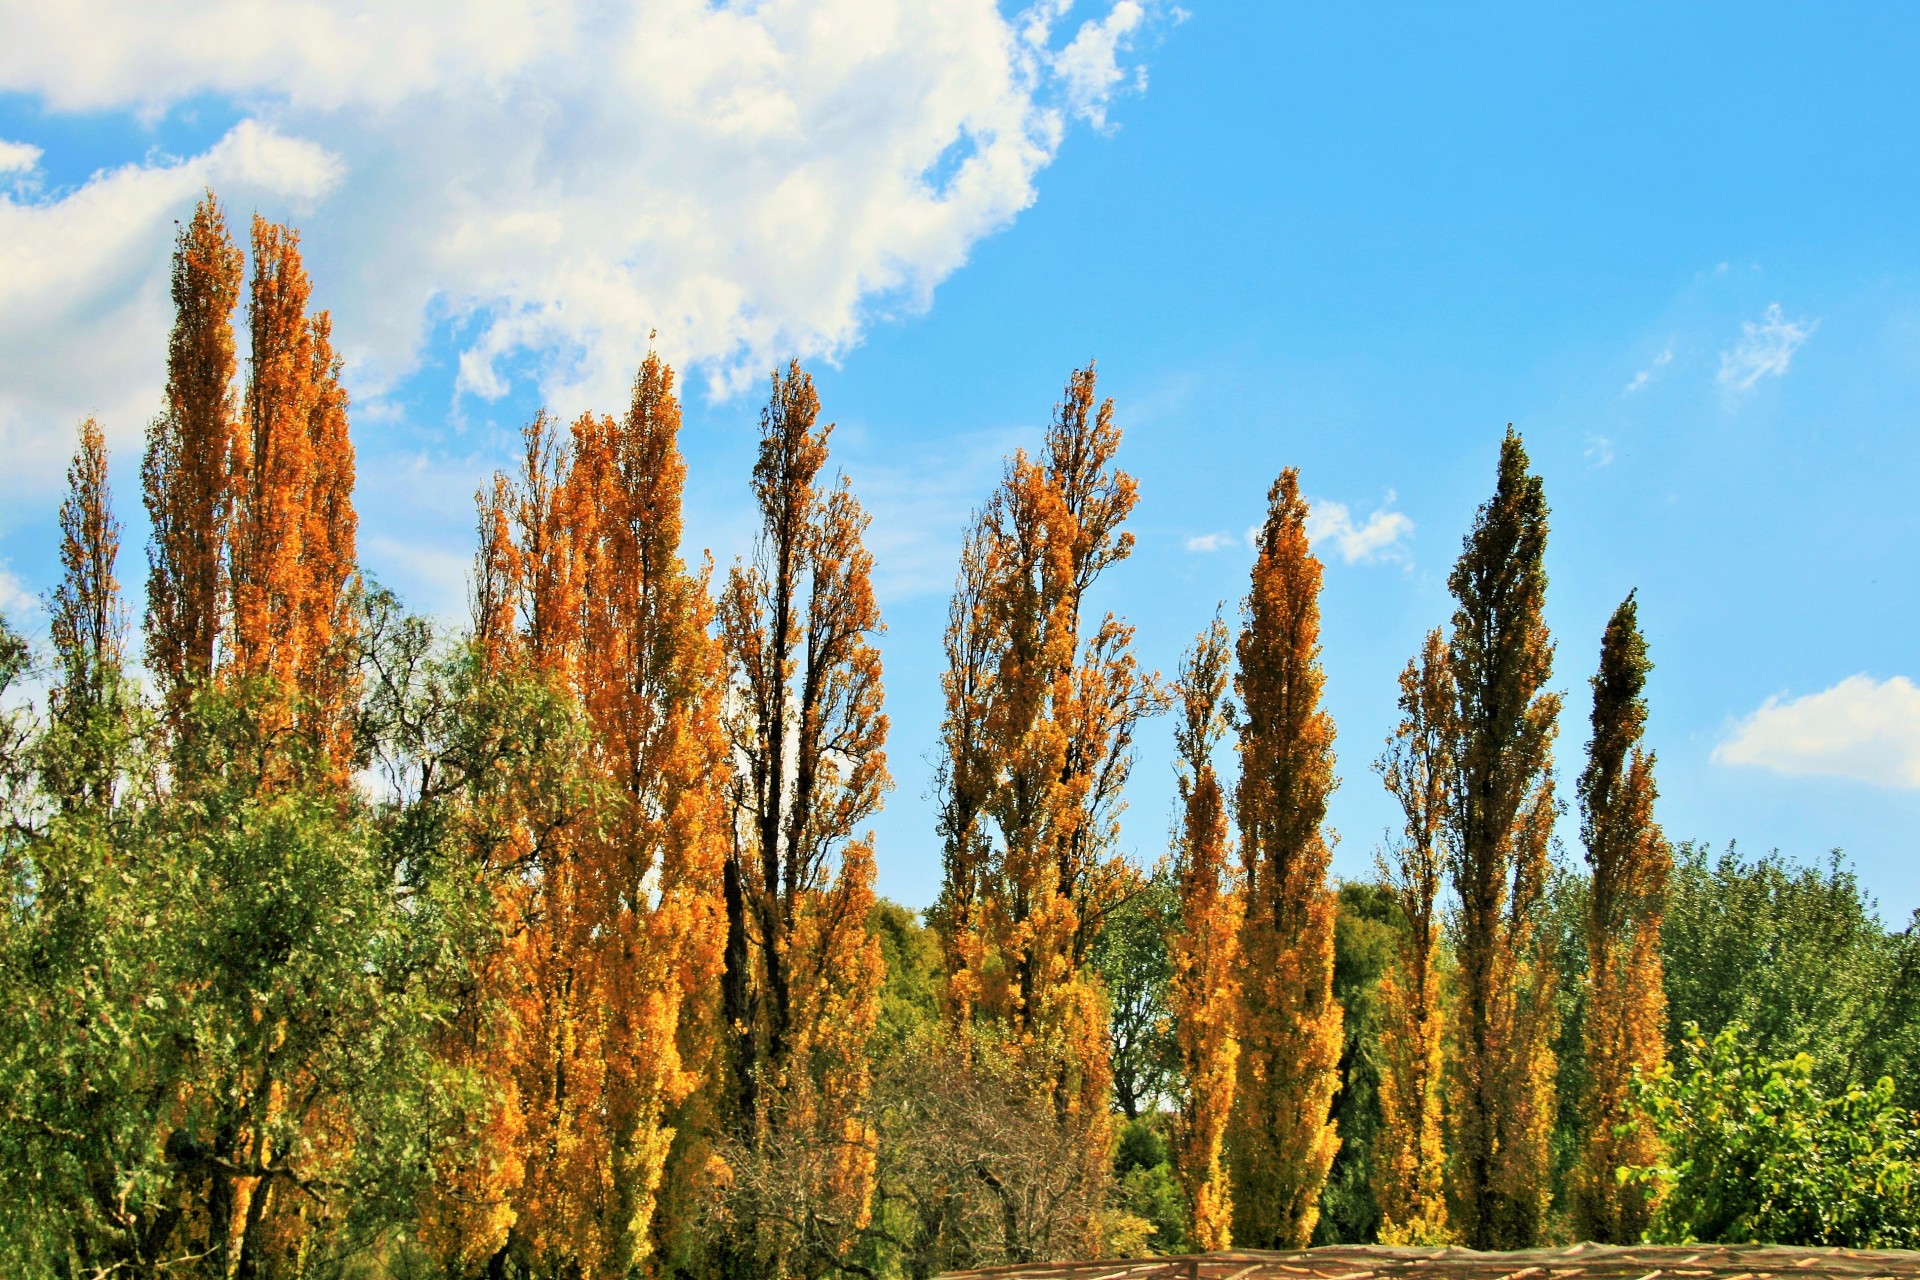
<point x="547" y="181"/>
<point x="1765" y="349"/>
<point x="1860" y="728"/>
<point x="1380" y="536"/>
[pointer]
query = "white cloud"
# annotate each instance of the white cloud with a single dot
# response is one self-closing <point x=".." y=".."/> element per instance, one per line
<point x="1212" y="541"/>
<point x="1642" y="378"/>
<point x="1379" y="537"/>
<point x="1860" y="728"/>
<point x="1765" y="348"/>
<point x="15" y="600"/>
<point x="549" y="180"/>
<point x="18" y="157"/>
<point x="1599" y="450"/>
<point x="83" y="290"/>
<point x="1089" y="66"/>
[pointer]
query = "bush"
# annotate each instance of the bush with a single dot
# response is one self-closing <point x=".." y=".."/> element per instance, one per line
<point x="1760" y="1152"/>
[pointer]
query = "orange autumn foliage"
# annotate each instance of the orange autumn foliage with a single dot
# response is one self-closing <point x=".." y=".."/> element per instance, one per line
<point x="1409" y="1156"/>
<point x="614" y="923"/>
<point x="185" y="473"/>
<point x="291" y="557"/>
<point x="1282" y="1141"/>
<point x="1625" y="1027"/>
<point x="1205" y="947"/>
<point x="1502" y="816"/>
<point x="801" y="975"/>
<point x="253" y="566"/>
<point x="1037" y="747"/>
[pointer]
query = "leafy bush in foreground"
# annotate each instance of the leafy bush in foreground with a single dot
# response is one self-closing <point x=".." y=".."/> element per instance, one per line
<point x="1759" y="1152"/>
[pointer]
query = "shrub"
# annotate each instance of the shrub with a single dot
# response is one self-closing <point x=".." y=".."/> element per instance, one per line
<point x="1760" y="1152"/>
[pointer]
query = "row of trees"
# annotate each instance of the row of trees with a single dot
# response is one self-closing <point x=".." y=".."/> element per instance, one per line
<point x="552" y="950"/>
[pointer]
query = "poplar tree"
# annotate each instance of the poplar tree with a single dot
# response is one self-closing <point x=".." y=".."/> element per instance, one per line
<point x="1283" y="1139"/>
<point x="1205" y="946"/>
<point x="616" y="923"/>
<point x="1502" y="815"/>
<point x="1409" y="1154"/>
<point x="292" y="533"/>
<point x="1625" y="1027"/>
<point x="1037" y="745"/>
<point x="89" y="632"/>
<point x="184" y="476"/>
<point x="801" y="975"/>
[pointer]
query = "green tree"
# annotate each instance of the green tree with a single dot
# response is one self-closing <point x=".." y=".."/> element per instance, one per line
<point x="1502" y="820"/>
<point x="1796" y="953"/>
<point x="1761" y="1152"/>
<point x="1368" y="930"/>
<point x="1130" y="955"/>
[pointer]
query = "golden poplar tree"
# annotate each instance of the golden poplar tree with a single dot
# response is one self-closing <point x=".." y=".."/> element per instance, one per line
<point x="1037" y="746"/>
<point x="1626" y="1003"/>
<point x="185" y="472"/>
<point x="1409" y="1161"/>
<point x="1503" y="810"/>
<point x="291" y="558"/>
<point x="1205" y="946"/>
<point x="252" y="566"/>
<point x="614" y="920"/>
<point x="801" y="976"/>
<point x="1283" y="1139"/>
<point x="89" y="628"/>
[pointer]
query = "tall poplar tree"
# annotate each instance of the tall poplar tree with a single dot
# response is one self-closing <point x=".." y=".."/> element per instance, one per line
<point x="801" y="978"/>
<point x="185" y="472"/>
<point x="1037" y="745"/>
<point x="1205" y="946"/>
<point x="1409" y="1155"/>
<point x="616" y="923"/>
<point x="1283" y="1139"/>
<point x="1503" y="810"/>
<point x="1625" y="1027"/>
<point x="291" y="558"/>
<point x="89" y="632"/>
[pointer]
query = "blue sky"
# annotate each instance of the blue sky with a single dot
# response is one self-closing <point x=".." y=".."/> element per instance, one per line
<point x="1675" y="246"/>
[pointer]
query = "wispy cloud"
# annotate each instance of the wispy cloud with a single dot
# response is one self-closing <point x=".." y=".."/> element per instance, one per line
<point x="1765" y="349"/>
<point x="1860" y="728"/>
<point x="1210" y="542"/>
<point x="15" y="600"/>
<point x="1642" y="378"/>
<point x="1599" y="450"/>
<point x="1381" y="536"/>
<point x="1090" y="66"/>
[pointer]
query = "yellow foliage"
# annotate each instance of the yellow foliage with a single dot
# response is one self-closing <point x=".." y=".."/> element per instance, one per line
<point x="1283" y="1139"/>
<point x="1205" y="948"/>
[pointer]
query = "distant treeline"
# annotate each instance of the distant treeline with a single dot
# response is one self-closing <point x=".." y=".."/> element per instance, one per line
<point x="339" y="947"/>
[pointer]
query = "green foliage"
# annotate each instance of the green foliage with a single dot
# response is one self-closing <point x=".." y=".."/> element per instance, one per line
<point x="1563" y="922"/>
<point x="1761" y="1152"/>
<point x="1145" y="1185"/>
<point x="1367" y="928"/>
<point x="218" y="977"/>
<point x="1130" y="955"/>
<point x="16" y="658"/>
<point x="910" y="996"/>
<point x="1796" y="953"/>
